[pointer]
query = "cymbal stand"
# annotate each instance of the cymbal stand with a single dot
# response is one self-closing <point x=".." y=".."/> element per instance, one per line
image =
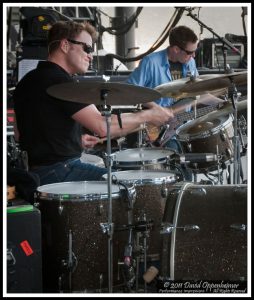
<point x="218" y="163"/>
<point x="237" y="159"/>
<point x="109" y="227"/>
<point x="140" y="132"/>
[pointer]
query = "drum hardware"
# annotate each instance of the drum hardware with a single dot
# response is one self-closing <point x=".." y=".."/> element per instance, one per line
<point x="241" y="227"/>
<point x="71" y="263"/>
<point x="236" y="141"/>
<point x="161" y="135"/>
<point x="167" y="228"/>
<point x="164" y="189"/>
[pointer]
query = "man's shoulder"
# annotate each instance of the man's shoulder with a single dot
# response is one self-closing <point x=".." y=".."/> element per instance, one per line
<point x="157" y="54"/>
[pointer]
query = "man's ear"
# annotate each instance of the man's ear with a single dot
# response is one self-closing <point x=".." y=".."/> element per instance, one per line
<point x="64" y="45"/>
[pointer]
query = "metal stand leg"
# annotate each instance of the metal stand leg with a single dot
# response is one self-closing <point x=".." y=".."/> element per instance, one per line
<point x="109" y="227"/>
<point x="236" y="140"/>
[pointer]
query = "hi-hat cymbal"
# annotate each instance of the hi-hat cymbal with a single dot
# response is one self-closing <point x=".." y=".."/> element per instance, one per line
<point x="203" y="84"/>
<point x="90" y="92"/>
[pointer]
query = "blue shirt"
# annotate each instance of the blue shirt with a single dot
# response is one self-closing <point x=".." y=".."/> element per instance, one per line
<point x="154" y="70"/>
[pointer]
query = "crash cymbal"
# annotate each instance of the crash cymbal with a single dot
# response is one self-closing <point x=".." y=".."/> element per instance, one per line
<point x="90" y="92"/>
<point x="203" y="84"/>
<point x="225" y="110"/>
<point x="214" y="82"/>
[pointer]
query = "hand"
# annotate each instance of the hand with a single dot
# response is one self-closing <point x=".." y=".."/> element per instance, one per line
<point x="89" y="141"/>
<point x="160" y="115"/>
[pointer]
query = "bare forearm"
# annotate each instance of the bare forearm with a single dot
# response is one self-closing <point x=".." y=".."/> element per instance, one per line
<point x="130" y="122"/>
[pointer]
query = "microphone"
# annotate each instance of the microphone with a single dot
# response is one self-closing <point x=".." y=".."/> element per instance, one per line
<point x="195" y="157"/>
<point x="161" y="135"/>
<point x="230" y="45"/>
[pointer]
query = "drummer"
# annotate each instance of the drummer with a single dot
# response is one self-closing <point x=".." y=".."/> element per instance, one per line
<point x="50" y="128"/>
<point x="174" y="62"/>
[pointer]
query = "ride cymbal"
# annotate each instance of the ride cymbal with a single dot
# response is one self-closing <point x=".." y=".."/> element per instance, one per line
<point x="114" y="93"/>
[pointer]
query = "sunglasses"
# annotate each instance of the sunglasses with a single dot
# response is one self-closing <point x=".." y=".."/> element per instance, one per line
<point x="186" y="51"/>
<point x="88" y="49"/>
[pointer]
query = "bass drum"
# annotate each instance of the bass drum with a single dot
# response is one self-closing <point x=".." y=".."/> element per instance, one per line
<point x="204" y="233"/>
<point x="75" y="248"/>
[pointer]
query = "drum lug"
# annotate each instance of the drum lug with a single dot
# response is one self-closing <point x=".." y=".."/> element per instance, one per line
<point x="228" y="152"/>
<point x="100" y="209"/>
<point x="167" y="228"/>
<point x="164" y="190"/>
<point x="36" y="204"/>
<point x="189" y="147"/>
<point x="60" y="209"/>
<point x="241" y="227"/>
<point x="223" y="136"/>
<point x="107" y="228"/>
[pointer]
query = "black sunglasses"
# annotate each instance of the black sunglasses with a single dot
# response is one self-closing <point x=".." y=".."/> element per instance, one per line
<point x="186" y="51"/>
<point x="88" y="49"/>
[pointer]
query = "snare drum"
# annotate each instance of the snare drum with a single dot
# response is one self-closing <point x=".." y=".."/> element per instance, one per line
<point x="205" y="137"/>
<point x="205" y="233"/>
<point x="142" y="158"/>
<point x="151" y="191"/>
<point x="75" y="249"/>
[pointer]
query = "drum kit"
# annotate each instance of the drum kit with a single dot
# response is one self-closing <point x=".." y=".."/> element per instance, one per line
<point x="96" y="232"/>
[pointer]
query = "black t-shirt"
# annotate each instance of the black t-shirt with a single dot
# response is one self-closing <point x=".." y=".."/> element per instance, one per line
<point x="47" y="131"/>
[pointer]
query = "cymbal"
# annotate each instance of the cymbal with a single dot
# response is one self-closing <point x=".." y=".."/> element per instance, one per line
<point x="90" y="92"/>
<point x="203" y="84"/>
<point x="226" y="109"/>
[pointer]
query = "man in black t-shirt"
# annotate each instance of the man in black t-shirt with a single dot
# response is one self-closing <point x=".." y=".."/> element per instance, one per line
<point x="50" y="129"/>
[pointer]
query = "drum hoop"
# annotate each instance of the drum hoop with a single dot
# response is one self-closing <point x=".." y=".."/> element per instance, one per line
<point x="173" y="236"/>
<point x="77" y="197"/>
<point x="144" y="181"/>
<point x="206" y="133"/>
<point x="170" y="178"/>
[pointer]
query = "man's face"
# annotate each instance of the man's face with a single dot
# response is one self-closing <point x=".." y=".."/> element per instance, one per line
<point x="78" y="58"/>
<point x="185" y="54"/>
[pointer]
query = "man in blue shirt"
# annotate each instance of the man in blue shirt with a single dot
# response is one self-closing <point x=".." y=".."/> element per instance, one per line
<point x="174" y="62"/>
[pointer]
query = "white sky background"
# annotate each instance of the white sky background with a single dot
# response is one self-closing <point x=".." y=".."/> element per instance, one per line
<point x="153" y="20"/>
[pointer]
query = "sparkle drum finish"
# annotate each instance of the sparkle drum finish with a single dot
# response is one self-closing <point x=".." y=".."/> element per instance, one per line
<point x="151" y="190"/>
<point x="204" y="138"/>
<point x="75" y="248"/>
<point x="205" y="233"/>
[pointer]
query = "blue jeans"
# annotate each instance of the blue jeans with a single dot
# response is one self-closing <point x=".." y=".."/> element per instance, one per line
<point x="70" y="170"/>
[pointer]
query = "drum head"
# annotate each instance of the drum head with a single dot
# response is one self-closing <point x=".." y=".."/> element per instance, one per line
<point x="139" y="177"/>
<point x="141" y="156"/>
<point x="77" y="190"/>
